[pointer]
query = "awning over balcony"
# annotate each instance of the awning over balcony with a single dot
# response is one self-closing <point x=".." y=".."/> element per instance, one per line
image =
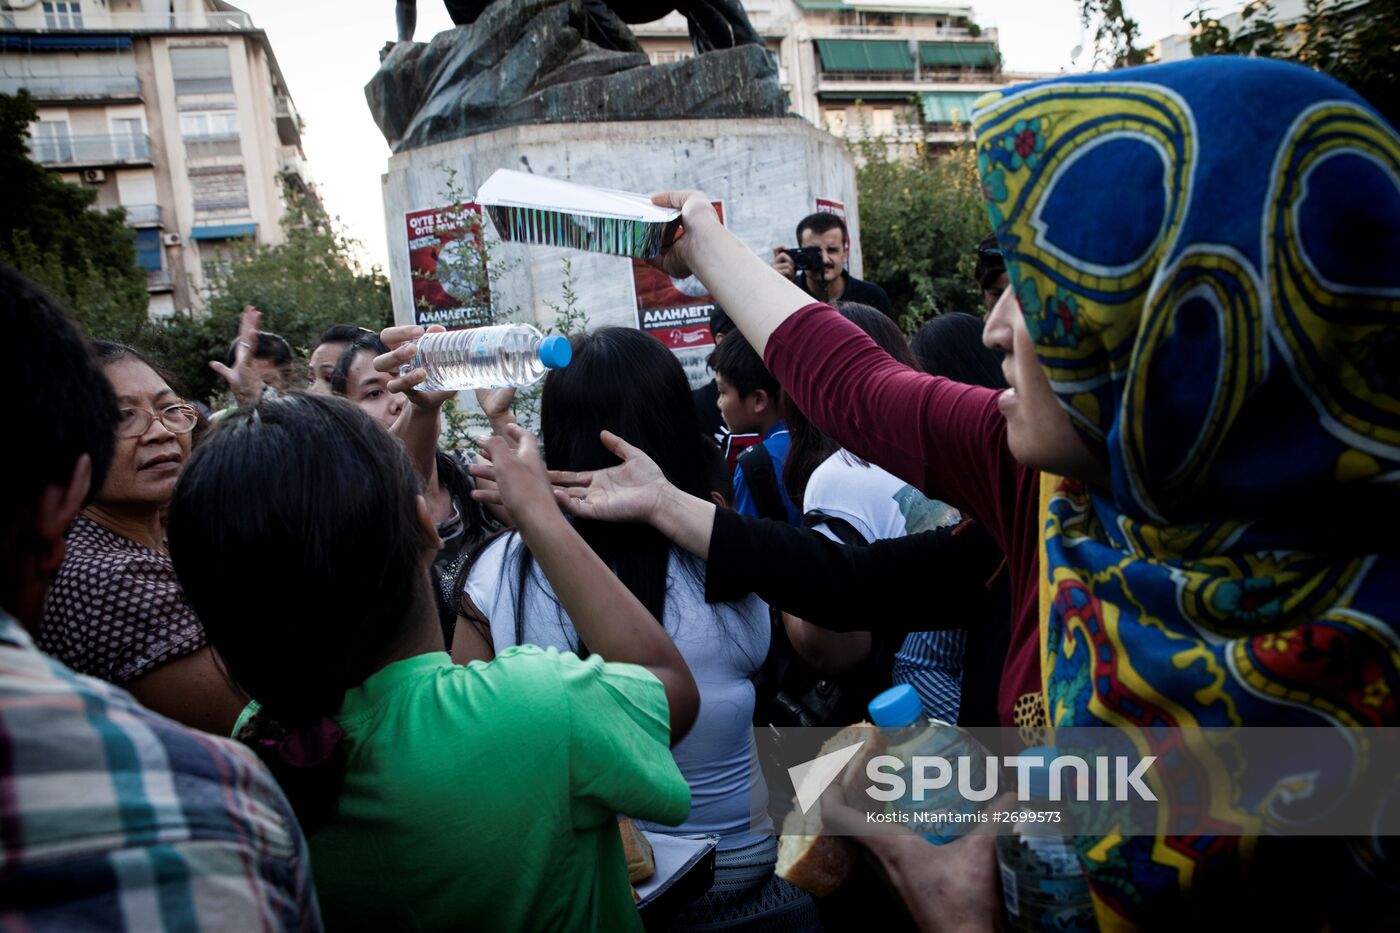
<point x="949" y="106"/>
<point x="224" y="232"/>
<point x="957" y="55"/>
<point x="865" y="55"/>
<point x="24" y="42"/>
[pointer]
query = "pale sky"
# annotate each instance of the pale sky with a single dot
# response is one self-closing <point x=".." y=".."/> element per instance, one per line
<point x="328" y="51"/>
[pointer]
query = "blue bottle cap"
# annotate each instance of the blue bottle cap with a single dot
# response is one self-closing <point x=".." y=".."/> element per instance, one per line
<point x="555" y="351"/>
<point x="896" y="707"/>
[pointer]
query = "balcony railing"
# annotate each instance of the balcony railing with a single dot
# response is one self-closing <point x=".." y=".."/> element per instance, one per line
<point x="157" y="22"/>
<point x="210" y="147"/>
<point x="288" y="121"/>
<point x="143" y="215"/>
<point x="74" y="87"/>
<point x="91" y="150"/>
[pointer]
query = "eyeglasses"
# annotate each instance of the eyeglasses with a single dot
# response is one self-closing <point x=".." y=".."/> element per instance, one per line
<point x="986" y="252"/>
<point x="133" y="422"/>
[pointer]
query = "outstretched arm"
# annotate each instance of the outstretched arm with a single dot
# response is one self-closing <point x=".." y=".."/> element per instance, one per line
<point x="805" y="573"/>
<point x="946" y="439"/>
<point x="608" y="618"/>
<point x="798" y="570"/>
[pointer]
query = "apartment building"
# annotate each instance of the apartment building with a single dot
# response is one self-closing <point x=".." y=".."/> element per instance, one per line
<point x="1292" y="13"/>
<point x="906" y="70"/>
<point x="173" y="109"/>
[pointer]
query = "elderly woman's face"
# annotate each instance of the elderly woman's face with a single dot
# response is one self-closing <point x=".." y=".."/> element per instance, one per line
<point x="146" y="467"/>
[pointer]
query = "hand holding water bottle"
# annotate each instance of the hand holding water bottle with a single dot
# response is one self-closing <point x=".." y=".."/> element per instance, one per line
<point x="946" y="888"/>
<point x="499" y="356"/>
<point x="400" y="340"/>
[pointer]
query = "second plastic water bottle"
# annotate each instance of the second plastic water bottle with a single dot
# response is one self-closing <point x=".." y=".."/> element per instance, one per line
<point x="1042" y="881"/>
<point x="500" y="356"/>
<point x="943" y="815"/>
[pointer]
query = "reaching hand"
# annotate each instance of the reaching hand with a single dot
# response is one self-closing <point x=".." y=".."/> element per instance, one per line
<point x="243" y="380"/>
<point x="946" y="888"/>
<point x="518" y="472"/>
<point x="697" y="214"/>
<point x="495" y="405"/>
<point x="401" y="352"/>
<point x="628" y="492"/>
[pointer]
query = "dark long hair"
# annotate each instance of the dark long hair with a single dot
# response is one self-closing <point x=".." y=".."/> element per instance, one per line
<point x="809" y="446"/>
<point x="626" y="382"/>
<point x="951" y="345"/>
<point x="294" y="532"/>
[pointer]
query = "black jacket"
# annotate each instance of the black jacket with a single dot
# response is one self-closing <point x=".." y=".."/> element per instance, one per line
<point x="867" y="293"/>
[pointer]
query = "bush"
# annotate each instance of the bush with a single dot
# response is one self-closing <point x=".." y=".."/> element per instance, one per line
<point x="920" y="220"/>
<point x="302" y="286"/>
<point x="48" y="231"/>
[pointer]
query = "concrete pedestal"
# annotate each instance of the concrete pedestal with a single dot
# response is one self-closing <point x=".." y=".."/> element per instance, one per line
<point x="768" y="172"/>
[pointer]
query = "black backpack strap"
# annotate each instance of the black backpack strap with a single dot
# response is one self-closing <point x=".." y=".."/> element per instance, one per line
<point x="762" y="481"/>
<point x="844" y="531"/>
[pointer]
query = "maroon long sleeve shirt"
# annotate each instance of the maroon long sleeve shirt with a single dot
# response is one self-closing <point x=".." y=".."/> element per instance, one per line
<point x="943" y="437"/>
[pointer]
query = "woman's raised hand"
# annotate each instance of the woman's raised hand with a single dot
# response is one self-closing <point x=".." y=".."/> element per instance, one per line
<point x="628" y="492"/>
<point x="244" y="382"/>
<point x="697" y="214"/>
<point x="518" y="472"/>
<point x="495" y="405"/>
<point x="399" y="339"/>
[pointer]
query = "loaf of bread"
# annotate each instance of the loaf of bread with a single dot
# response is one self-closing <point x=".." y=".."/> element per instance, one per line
<point x="815" y="862"/>
<point x="641" y="861"/>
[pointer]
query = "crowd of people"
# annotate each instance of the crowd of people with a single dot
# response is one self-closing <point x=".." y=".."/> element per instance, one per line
<point x="293" y="666"/>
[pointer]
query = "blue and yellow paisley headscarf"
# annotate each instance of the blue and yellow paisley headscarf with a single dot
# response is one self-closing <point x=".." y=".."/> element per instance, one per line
<point x="1207" y="255"/>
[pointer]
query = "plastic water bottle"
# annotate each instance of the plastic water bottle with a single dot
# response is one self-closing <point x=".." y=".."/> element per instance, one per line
<point x="500" y="356"/>
<point x="1042" y="882"/>
<point x="943" y="814"/>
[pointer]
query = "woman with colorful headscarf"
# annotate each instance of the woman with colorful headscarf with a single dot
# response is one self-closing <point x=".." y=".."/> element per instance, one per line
<point x="1202" y="332"/>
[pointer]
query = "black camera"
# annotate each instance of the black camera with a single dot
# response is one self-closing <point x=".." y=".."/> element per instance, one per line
<point x="808" y="257"/>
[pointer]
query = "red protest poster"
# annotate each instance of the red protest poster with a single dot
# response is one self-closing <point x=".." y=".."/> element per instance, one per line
<point x="676" y="312"/>
<point x="828" y="206"/>
<point x="448" y="267"/>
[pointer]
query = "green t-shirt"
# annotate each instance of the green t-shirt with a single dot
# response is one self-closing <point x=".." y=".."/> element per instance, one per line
<point x="485" y="797"/>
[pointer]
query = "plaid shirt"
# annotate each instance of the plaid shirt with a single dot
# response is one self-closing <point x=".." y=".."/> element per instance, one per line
<point x="932" y="663"/>
<point x="112" y="817"/>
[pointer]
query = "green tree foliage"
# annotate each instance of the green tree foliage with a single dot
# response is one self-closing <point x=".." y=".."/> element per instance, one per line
<point x="302" y="285"/>
<point x="1116" y="34"/>
<point x="1356" y="43"/>
<point x="920" y="220"/>
<point x="85" y="258"/>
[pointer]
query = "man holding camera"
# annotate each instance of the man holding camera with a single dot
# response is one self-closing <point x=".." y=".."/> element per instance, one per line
<point x="819" y="265"/>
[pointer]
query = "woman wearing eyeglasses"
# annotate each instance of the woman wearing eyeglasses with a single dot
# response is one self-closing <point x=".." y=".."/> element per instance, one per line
<point x="116" y="610"/>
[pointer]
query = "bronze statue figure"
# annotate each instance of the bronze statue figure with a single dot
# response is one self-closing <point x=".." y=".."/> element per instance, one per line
<point x="714" y="24"/>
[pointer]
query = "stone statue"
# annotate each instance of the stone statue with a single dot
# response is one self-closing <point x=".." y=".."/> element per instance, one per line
<point x="714" y="24"/>
<point x="513" y="62"/>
